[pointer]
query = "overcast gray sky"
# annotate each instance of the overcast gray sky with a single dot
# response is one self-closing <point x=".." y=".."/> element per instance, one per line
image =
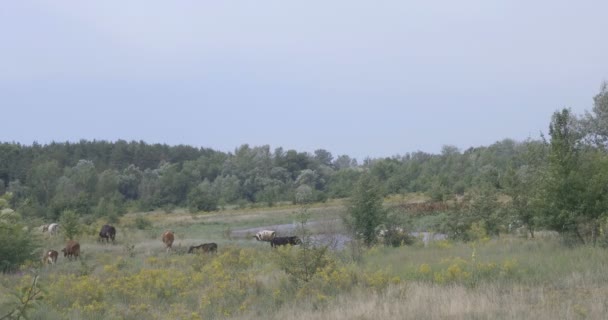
<point x="362" y="78"/>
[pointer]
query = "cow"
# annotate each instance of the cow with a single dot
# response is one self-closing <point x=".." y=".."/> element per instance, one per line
<point x="72" y="249"/>
<point x="168" y="238"/>
<point x="53" y="228"/>
<point x="281" y="241"/>
<point x="50" y="257"/>
<point x="107" y="232"/>
<point x="265" y="235"/>
<point x="44" y="228"/>
<point x="205" y="247"/>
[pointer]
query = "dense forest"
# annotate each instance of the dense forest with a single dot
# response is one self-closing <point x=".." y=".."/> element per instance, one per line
<point x="103" y="177"/>
<point x="558" y="181"/>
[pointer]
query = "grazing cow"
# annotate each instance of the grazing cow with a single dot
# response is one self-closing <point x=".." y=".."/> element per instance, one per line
<point x="168" y="238"/>
<point x="107" y="232"/>
<point x="53" y="228"/>
<point x="50" y="257"/>
<point x="265" y="235"/>
<point x="281" y="241"/>
<point x="205" y="247"/>
<point x="44" y="228"/>
<point x="72" y="249"/>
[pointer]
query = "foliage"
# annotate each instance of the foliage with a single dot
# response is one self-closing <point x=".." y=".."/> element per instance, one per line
<point x="365" y="211"/>
<point x="202" y="198"/>
<point x="70" y="224"/>
<point x="18" y="244"/>
<point x="396" y="236"/>
<point x="301" y="263"/>
<point x="142" y="223"/>
<point x="26" y="299"/>
<point x="574" y="194"/>
<point x="48" y="179"/>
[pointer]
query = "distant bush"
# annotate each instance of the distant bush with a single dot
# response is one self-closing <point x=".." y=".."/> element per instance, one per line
<point x="395" y="238"/>
<point x="69" y="224"/>
<point x="142" y="223"/>
<point x="18" y="244"/>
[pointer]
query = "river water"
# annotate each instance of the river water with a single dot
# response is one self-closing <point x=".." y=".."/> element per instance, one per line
<point x="324" y="232"/>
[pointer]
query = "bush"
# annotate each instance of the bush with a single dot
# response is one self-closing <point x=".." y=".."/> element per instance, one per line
<point x="69" y="224"/>
<point x="396" y="237"/>
<point x="301" y="263"/>
<point x="202" y="198"/>
<point x="142" y="223"/>
<point x="18" y="244"/>
<point x="365" y="211"/>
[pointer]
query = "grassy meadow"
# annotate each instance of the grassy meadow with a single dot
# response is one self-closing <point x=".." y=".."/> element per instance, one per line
<point x="136" y="278"/>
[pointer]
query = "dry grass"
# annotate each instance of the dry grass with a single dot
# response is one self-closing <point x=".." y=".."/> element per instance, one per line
<point x="427" y="301"/>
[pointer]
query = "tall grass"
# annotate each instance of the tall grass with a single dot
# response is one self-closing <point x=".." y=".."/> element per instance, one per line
<point x="507" y="278"/>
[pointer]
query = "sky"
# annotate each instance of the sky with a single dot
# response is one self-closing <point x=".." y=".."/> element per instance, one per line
<point x="358" y="78"/>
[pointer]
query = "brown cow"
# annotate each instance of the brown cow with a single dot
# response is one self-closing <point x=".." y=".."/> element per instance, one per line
<point x="168" y="238"/>
<point x="72" y="249"/>
<point x="50" y="257"/>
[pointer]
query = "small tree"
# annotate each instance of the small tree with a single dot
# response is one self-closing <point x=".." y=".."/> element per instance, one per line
<point x="26" y="299"/>
<point x="142" y="223"/>
<point x="302" y="263"/>
<point x="203" y="198"/>
<point x="69" y="224"/>
<point x="365" y="211"/>
<point x="18" y="244"/>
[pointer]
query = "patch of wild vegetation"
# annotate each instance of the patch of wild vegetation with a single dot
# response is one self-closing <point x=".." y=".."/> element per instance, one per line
<point x="504" y="277"/>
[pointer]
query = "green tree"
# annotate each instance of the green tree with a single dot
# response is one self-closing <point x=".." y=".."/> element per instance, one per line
<point x="344" y="162"/>
<point x="484" y="207"/>
<point x="18" y="244"/>
<point x="524" y="186"/>
<point x="365" y="211"/>
<point x="202" y="198"/>
<point x="595" y="124"/>
<point x="301" y="263"/>
<point x="128" y="182"/>
<point x="69" y="224"/>
<point x="149" y="190"/>
<point x="342" y="182"/>
<point x="567" y="178"/>
<point x="43" y="178"/>
<point x="107" y="184"/>
<point x="227" y="188"/>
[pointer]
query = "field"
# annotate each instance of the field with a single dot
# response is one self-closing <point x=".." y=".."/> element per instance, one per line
<point x="136" y="278"/>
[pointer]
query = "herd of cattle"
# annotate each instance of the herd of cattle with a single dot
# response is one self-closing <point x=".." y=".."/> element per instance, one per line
<point x="108" y="232"/>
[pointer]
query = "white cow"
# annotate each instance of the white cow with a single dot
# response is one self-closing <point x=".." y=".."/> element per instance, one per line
<point x="53" y="228"/>
<point x="265" y="235"/>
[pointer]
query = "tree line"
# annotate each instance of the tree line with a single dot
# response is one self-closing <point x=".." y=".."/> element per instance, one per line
<point x="101" y="177"/>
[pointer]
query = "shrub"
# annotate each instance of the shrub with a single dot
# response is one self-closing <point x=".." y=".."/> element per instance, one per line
<point x="365" y="211"/>
<point x="142" y="223"/>
<point x="27" y="298"/>
<point x="302" y="262"/>
<point x="69" y="224"/>
<point x="18" y="244"/>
